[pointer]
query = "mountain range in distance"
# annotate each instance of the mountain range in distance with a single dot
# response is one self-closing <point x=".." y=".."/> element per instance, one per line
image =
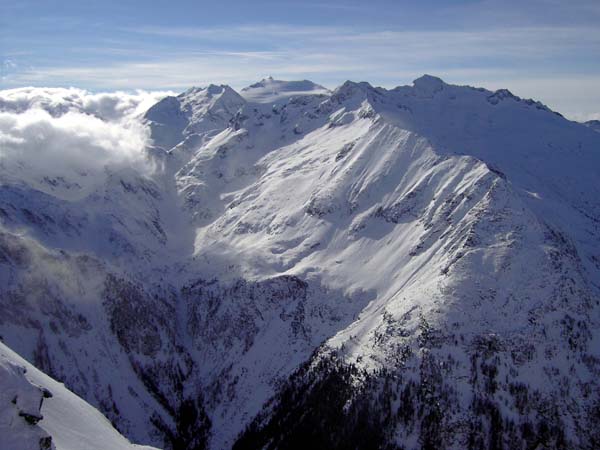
<point x="293" y="267"/>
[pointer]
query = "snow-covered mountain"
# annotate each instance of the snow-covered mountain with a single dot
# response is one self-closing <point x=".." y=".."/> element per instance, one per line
<point x="406" y="268"/>
<point x="593" y="124"/>
<point x="269" y="90"/>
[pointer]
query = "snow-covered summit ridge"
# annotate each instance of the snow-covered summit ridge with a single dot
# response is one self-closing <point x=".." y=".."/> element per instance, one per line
<point x="197" y="110"/>
<point x="428" y="84"/>
<point x="203" y="110"/>
<point x="269" y="90"/>
<point x="593" y="124"/>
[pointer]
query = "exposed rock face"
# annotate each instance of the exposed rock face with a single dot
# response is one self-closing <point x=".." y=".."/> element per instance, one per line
<point x="407" y="268"/>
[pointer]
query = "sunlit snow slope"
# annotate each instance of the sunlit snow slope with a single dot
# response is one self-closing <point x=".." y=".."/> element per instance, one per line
<point x="36" y="412"/>
<point x="426" y="257"/>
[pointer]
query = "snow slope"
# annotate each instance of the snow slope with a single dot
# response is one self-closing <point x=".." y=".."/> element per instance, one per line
<point x="198" y="110"/>
<point x="39" y="413"/>
<point x="435" y="241"/>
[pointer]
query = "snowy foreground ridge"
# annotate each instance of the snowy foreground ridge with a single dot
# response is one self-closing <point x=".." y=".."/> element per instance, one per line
<point x="292" y="267"/>
<point x="38" y="412"/>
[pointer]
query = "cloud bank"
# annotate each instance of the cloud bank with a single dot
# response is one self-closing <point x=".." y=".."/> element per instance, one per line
<point x="110" y="106"/>
<point x="65" y="141"/>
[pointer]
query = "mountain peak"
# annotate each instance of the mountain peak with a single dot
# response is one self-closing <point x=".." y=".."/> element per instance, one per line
<point x="269" y="90"/>
<point x="216" y="89"/>
<point x="208" y="92"/>
<point x="593" y="124"/>
<point x="350" y="89"/>
<point x="174" y="118"/>
<point x="428" y="84"/>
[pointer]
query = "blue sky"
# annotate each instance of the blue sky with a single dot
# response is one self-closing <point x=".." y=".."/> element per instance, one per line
<point x="545" y="49"/>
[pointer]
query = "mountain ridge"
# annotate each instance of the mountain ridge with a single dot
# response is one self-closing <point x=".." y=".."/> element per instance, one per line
<point x="433" y="241"/>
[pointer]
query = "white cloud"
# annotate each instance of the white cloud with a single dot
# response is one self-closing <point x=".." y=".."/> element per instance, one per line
<point x="63" y="141"/>
<point x="111" y="106"/>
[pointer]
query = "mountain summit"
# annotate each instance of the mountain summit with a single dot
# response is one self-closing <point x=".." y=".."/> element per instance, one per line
<point x="410" y="268"/>
<point x="269" y="90"/>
